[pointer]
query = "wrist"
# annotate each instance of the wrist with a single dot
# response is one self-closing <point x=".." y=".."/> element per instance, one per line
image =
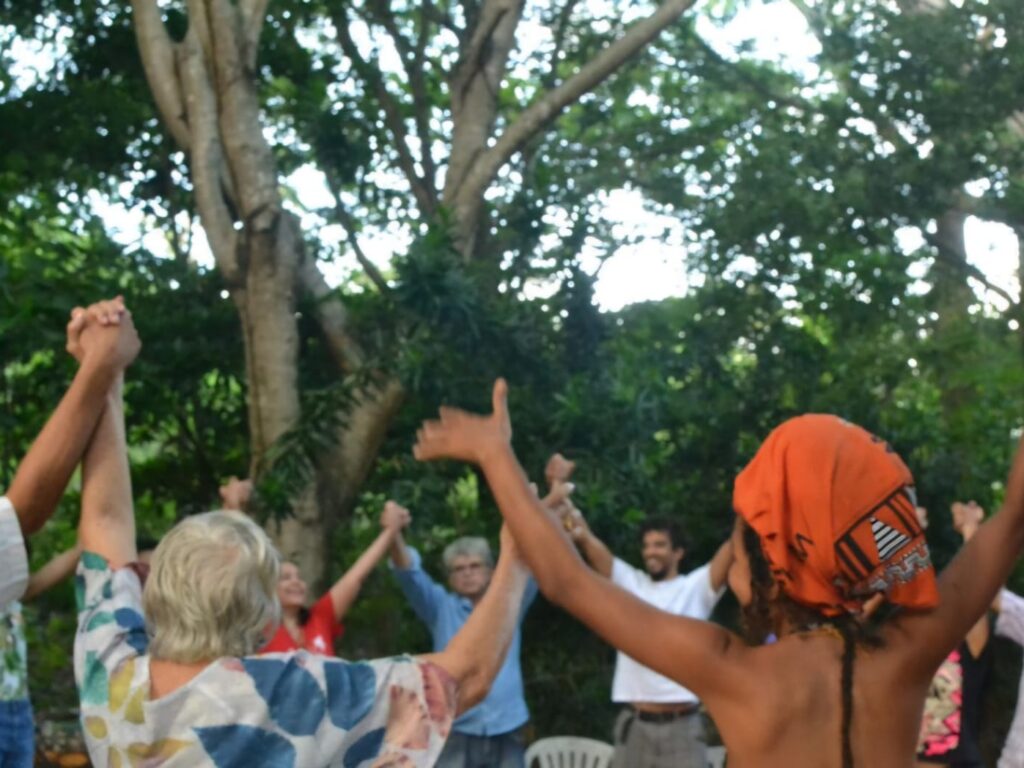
<point x="98" y="368"/>
<point x="491" y="451"/>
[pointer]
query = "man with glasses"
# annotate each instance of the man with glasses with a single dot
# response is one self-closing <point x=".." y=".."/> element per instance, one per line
<point x="489" y="735"/>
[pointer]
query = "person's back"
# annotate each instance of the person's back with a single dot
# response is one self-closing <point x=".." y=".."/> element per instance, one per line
<point x="793" y="713"/>
<point x="828" y="557"/>
<point x="297" y="709"/>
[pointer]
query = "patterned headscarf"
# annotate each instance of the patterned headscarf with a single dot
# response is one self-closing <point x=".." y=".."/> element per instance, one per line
<point x="834" y="509"/>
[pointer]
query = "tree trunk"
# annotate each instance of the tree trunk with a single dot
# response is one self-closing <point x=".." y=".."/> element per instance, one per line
<point x="206" y="92"/>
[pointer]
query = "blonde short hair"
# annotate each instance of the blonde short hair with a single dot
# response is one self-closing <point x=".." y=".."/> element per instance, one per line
<point x="212" y="590"/>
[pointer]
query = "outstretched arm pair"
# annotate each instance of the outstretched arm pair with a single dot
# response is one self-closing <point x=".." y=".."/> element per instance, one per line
<point x="625" y="622"/>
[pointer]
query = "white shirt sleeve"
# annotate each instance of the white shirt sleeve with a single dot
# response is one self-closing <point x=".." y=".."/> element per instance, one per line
<point x="13" y="559"/>
<point x="626" y="576"/>
<point x="1011" y="616"/>
<point x="708" y="596"/>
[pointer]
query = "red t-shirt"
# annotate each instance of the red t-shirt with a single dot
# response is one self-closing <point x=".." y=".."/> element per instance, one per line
<point x="320" y="631"/>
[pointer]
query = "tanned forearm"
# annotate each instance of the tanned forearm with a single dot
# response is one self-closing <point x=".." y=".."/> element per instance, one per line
<point x="46" y="469"/>
<point x="720" y="565"/>
<point x="399" y="553"/>
<point x="597" y="553"/>
<point x="970" y="582"/>
<point x="549" y="555"/>
<point x="51" y="574"/>
<point x="347" y="588"/>
<point x="475" y="655"/>
<point x="107" y="526"/>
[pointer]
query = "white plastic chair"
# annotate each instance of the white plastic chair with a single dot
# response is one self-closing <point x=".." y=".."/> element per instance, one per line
<point x="569" y="752"/>
<point x="716" y="757"/>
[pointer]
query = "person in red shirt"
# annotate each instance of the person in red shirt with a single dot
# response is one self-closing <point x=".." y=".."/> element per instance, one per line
<point x="315" y="629"/>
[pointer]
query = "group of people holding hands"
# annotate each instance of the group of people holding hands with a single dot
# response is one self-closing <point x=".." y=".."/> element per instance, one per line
<point x="210" y="653"/>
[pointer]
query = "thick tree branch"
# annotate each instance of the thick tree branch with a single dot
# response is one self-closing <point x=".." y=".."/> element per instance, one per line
<point x="249" y="157"/>
<point x="968" y="270"/>
<point x="254" y="13"/>
<point x="358" y="443"/>
<point x="199" y="23"/>
<point x="922" y="6"/>
<point x="561" y="27"/>
<point x="207" y="159"/>
<point x="546" y="108"/>
<point x="948" y="242"/>
<point x="487" y="49"/>
<point x="157" y="52"/>
<point x="420" y="100"/>
<point x="331" y="316"/>
<point x="413" y="62"/>
<point x="473" y="91"/>
<point x="422" y="189"/>
<point x="349" y="225"/>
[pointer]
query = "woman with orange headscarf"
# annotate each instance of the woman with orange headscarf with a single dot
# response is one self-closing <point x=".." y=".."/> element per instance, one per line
<point x="828" y="555"/>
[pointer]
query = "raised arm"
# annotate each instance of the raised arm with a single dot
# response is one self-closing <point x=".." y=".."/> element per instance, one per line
<point x="720" y="565"/>
<point x="107" y="525"/>
<point x="475" y="655"/>
<point x="969" y="584"/>
<point x="702" y="656"/>
<point x="558" y="502"/>
<point x="43" y="474"/>
<point x="399" y="553"/>
<point x="346" y="589"/>
<point x="50" y="575"/>
<point x="966" y="520"/>
<point x="593" y="549"/>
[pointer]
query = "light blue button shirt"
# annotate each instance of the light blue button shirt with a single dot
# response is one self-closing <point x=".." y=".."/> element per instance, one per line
<point x="444" y="613"/>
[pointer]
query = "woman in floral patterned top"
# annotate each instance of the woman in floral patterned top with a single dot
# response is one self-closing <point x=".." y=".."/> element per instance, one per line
<point x="183" y="687"/>
<point x="17" y="726"/>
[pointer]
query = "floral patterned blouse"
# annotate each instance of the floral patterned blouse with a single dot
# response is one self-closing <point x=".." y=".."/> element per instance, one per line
<point x="13" y="654"/>
<point x="286" y="710"/>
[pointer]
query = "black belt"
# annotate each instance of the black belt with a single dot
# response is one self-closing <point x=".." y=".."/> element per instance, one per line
<point x="665" y="717"/>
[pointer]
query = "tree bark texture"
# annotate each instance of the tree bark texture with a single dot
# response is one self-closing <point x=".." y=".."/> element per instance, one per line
<point x="205" y="89"/>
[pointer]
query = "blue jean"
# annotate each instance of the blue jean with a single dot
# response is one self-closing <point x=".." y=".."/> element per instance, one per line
<point x="17" y="734"/>
<point x="502" y="751"/>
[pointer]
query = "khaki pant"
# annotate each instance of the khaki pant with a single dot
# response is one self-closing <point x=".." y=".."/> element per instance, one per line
<point x="678" y="743"/>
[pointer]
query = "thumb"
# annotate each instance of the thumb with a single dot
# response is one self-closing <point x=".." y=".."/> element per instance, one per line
<point x="499" y="398"/>
<point x="77" y="321"/>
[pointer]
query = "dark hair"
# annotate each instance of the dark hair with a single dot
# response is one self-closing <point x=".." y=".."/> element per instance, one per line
<point x="768" y="612"/>
<point x="304" y="613"/>
<point x="665" y="525"/>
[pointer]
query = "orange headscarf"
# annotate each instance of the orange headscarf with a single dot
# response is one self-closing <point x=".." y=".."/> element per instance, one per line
<point x="834" y="508"/>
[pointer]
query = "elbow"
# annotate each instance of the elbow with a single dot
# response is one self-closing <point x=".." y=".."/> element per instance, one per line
<point x="31" y="515"/>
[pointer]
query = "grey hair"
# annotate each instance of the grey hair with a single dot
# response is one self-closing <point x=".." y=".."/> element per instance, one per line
<point x="212" y="590"/>
<point x="468" y="546"/>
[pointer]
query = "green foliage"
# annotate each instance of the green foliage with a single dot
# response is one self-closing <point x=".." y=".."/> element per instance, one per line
<point x="792" y="188"/>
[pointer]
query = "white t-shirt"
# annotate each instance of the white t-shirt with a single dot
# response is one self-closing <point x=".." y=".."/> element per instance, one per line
<point x="1011" y="624"/>
<point x="687" y="595"/>
<point x="13" y="560"/>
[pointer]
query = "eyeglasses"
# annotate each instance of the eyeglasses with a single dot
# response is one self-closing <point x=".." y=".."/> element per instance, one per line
<point x="458" y="570"/>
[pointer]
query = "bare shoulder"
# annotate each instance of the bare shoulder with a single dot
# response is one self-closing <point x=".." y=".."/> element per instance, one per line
<point x="899" y="653"/>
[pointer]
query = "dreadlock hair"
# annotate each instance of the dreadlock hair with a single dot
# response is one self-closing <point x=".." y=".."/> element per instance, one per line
<point x="770" y="610"/>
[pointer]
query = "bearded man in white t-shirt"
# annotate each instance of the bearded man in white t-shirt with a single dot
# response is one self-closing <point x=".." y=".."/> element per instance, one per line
<point x="659" y="725"/>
